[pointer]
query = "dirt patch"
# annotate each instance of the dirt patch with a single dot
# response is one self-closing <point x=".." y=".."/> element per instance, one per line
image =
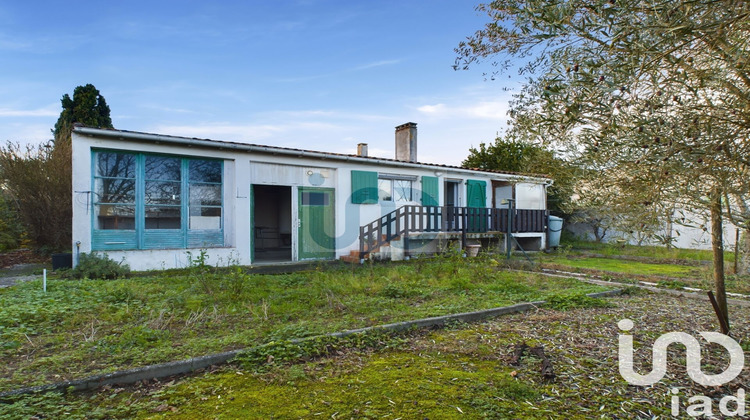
<point x="647" y="260"/>
<point x="20" y="256"/>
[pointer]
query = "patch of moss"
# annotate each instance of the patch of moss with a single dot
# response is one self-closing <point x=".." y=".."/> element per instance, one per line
<point x="399" y="384"/>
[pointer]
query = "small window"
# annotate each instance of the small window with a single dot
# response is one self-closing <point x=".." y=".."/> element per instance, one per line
<point x="401" y="190"/>
<point x="394" y="188"/>
<point x="385" y="190"/>
<point x="315" y="199"/>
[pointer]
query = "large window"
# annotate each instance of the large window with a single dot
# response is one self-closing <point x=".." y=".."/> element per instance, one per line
<point x="147" y="201"/>
<point x="163" y="192"/>
<point x="205" y="194"/>
<point x="115" y="190"/>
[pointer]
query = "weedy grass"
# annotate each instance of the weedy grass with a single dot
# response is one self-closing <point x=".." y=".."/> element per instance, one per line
<point x="89" y="326"/>
<point x="460" y="371"/>
<point x="625" y="266"/>
<point x="651" y="252"/>
<point x="667" y="274"/>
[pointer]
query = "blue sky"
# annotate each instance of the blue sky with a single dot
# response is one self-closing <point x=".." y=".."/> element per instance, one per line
<point x="322" y="75"/>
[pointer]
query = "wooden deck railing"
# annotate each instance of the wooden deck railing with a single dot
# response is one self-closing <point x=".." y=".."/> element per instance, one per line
<point x="415" y="219"/>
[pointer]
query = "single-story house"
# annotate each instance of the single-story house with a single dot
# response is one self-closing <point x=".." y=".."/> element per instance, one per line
<point x="156" y="201"/>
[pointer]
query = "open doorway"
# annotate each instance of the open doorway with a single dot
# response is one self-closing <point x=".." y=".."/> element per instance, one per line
<point x="501" y="192"/>
<point x="272" y="223"/>
<point x="452" y="194"/>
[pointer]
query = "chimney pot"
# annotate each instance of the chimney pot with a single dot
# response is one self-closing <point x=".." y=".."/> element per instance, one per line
<point x="362" y="149"/>
<point x="406" y="142"/>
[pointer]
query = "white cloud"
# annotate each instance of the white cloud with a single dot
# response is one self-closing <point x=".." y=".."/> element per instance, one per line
<point x="437" y="109"/>
<point x="367" y="66"/>
<point x="218" y="131"/>
<point x="317" y="114"/>
<point x="489" y="110"/>
<point x="376" y="64"/>
<point x="26" y="133"/>
<point x="50" y="111"/>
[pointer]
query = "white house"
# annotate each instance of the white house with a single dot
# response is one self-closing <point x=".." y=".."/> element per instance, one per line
<point x="153" y="200"/>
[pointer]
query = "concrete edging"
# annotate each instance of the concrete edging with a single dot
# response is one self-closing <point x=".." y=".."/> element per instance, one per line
<point x="163" y="370"/>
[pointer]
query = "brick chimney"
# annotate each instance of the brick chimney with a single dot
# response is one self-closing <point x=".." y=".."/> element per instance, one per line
<point x="406" y="142"/>
<point x="362" y="149"/>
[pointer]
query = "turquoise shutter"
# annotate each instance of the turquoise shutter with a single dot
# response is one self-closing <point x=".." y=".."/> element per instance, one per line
<point x="476" y="193"/>
<point x="430" y="191"/>
<point x="364" y="187"/>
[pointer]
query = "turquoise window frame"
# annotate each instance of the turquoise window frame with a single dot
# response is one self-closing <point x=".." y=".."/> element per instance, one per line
<point x="142" y="238"/>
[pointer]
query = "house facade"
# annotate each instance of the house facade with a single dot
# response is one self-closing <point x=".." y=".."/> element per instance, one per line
<point x="156" y="201"/>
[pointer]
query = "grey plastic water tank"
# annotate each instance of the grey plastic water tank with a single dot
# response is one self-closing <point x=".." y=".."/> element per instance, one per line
<point x="555" y="227"/>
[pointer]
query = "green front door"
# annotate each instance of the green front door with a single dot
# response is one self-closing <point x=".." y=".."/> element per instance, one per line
<point x="476" y="200"/>
<point x="317" y="228"/>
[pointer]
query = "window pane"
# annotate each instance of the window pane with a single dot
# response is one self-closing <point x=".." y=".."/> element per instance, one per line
<point x="402" y="190"/>
<point x="384" y="189"/>
<point x="163" y="168"/>
<point x="205" y="195"/>
<point x="115" y="190"/>
<point x="315" y="199"/>
<point x="116" y="165"/>
<point x="115" y="217"/>
<point x="163" y="217"/>
<point x="205" y="218"/>
<point x="163" y="192"/>
<point x="205" y="170"/>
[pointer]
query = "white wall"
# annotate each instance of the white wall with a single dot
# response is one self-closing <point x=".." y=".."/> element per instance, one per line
<point x="688" y="237"/>
<point x="243" y="169"/>
<point x="530" y="196"/>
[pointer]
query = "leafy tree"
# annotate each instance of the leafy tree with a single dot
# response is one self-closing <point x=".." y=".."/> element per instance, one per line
<point x="38" y="178"/>
<point x="516" y="155"/>
<point x="11" y="230"/>
<point x="653" y="96"/>
<point x="36" y="181"/>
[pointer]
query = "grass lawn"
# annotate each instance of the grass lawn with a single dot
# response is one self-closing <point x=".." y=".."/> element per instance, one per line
<point x="79" y="328"/>
<point x="460" y="372"/>
<point x="673" y="268"/>
<point x="625" y="266"/>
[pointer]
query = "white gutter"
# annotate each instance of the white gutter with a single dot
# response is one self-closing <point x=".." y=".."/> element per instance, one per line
<point x="213" y="144"/>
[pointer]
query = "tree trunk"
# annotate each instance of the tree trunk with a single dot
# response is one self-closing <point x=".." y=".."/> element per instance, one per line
<point x="743" y="266"/>
<point x="717" y="243"/>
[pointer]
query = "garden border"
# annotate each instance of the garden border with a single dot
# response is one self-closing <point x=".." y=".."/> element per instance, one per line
<point x="181" y="367"/>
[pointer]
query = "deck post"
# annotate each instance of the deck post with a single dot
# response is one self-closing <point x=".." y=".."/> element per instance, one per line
<point x="406" y="245"/>
<point x="509" y="230"/>
<point x="464" y="223"/>
<point x="361" y="244"/>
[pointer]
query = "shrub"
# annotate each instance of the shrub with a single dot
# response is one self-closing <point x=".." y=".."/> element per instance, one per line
<point x="95" y="266"/>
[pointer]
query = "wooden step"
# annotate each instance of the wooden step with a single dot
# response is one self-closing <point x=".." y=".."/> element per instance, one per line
<point x="353" y="257"/>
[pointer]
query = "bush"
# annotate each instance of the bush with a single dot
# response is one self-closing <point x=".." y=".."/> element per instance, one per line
<point x="95" y="266"/>
<point x="11" y="230"/>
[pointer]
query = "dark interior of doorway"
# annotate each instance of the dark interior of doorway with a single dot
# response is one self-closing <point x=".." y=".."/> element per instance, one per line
<point x="272" y="222"/>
